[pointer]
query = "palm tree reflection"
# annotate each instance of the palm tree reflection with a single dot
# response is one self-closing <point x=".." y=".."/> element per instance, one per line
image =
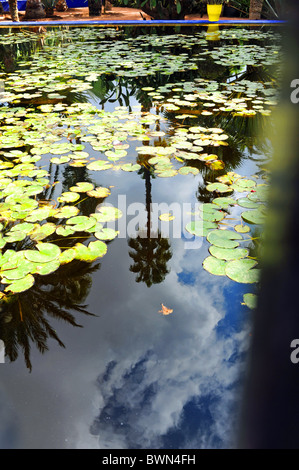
<point x="24" y="319"/>
<point x="150" y="251"/>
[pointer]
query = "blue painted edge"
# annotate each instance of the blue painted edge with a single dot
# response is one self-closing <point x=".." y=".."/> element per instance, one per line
<point x="136" y="22"/>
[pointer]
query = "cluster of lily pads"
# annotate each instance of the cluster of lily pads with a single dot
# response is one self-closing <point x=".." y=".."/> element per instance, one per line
<point x="207" y="97"/>
<point x="38" y="125"/>
<point x="227" y="256"/>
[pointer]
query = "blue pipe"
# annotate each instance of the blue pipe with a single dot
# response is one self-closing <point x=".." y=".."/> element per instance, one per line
<point x="135" y="22"/>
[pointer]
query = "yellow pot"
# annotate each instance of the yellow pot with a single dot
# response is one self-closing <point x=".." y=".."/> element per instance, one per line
<point x="214" y="12"/>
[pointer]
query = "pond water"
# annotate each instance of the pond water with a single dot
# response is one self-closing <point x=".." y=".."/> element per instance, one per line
<point x="133" y="184"/>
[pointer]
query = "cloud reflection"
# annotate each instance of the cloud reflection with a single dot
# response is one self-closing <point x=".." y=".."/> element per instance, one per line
<point x="179" y="387"/>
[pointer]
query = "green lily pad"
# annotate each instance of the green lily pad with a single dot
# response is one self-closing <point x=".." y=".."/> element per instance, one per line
<point x="186" y="170"/>
<point x="106" y="234"/>
<point x="47" y="268"/>
<point x="211" y="215"/>
<point x="65" y="231"/>
<point x="107" y="214"/>
<point x="21" y="285"/>
<point x="259" y="194"/>
<point x="99" y="165"/>
<point x="25" y="267"/>
<point x="250" y="300"/>
<point x="214" y="266"/>
<point x="253" y="217"/>
<point x="15" y="236"/>
<point x="166" y="173"/>
<point x="242" y="228"/>
<point x="130" y="167"/>
<point x="99" y="192"/>
<point x="65" y="212"/>
<point x="224" y="202"/>
<point x="42" y="231"/>
<point x="200" y="228"/>
<point x="45" y="252"/>
<point x="247" y="203"/>
<point x="228" y="253"/>
<point x="81" y="223"/>
<point x="242" y="270"/>
<point x="67" y="256"/>
<point x="68" y="196"/>
<point x="91" y="252"/>
<point x="82" y="187"/>
<point x="219" y="187"/>
<point x="224" y="238"/>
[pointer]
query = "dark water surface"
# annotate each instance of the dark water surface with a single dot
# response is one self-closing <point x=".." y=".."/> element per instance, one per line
<point x="127" y="376"/>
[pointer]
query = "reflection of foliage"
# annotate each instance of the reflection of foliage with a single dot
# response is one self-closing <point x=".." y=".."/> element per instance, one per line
<point x="150" y="258"/>
<point x="24" y="318"/>
<point x="150" y="252"/>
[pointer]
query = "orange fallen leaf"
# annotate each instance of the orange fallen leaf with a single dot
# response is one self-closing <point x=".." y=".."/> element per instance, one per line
<point x="165" y="310"/>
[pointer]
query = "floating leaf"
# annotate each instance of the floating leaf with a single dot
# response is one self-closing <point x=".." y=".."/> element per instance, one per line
<point x="81" y="223"/>
<point x="99" y="165"/>
<point x="165" y="310"/>
<point x="99" y="192"/>
<point x="47" y="268"/>
<point x="250" y="300"/>
<point x="219" y="187"/>
<point x="65" y="212"/>
<point x="21" y="285"/>
<point x="224" y="202"/>
<point x="68" y="197"/>
<point x="228" y="253"/>
<point x="91" y="252"/>
<point x="166" y="217"/>
<point x="200" y="228"/>
<point x="107" y="214"/>
<point x="242" y="271"/>
<point x="46" y="252"/>
<point x="131" y="167"/>
<point x="106" y="234"/>
<point x="82" y="187"/>
<point x="186" y="170"/>
<point x="242" y="228"/>
<point x="247" y="203"/>
<point x="214" y="266"/>
<point x="254" y="216"/>
<point x="67" y="256"/>
<point x="224" y="238"/>
<point x="42" y="231"/>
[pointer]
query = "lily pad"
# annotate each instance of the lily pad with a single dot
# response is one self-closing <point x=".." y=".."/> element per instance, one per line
<point x="21" y="285"/>
<point x="99" y="192"/>
<point x="219" y="187"/>
<point x="200" y="228"/>
<point x="247" y="203"/>
<point x="228" y="253"/>
<point x="224" y="202"/>
<point x="131" y="167"/>
<point x="253" y="217"/>
<point x="214" y="266"/>
<point x="186" y="170"/>
<point x="81" y="223"/>
<point x="243" y="271"/>
<point x="91" y="252"/>
<point x="250" y="300"/>
<point x="82" y="187"/>
<point x="224" y="238"/>
<point x="106" y="234"/>
<point x="107" y="214"/>
<point x="45" y="252"/>
<point x="68" y="196"/>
